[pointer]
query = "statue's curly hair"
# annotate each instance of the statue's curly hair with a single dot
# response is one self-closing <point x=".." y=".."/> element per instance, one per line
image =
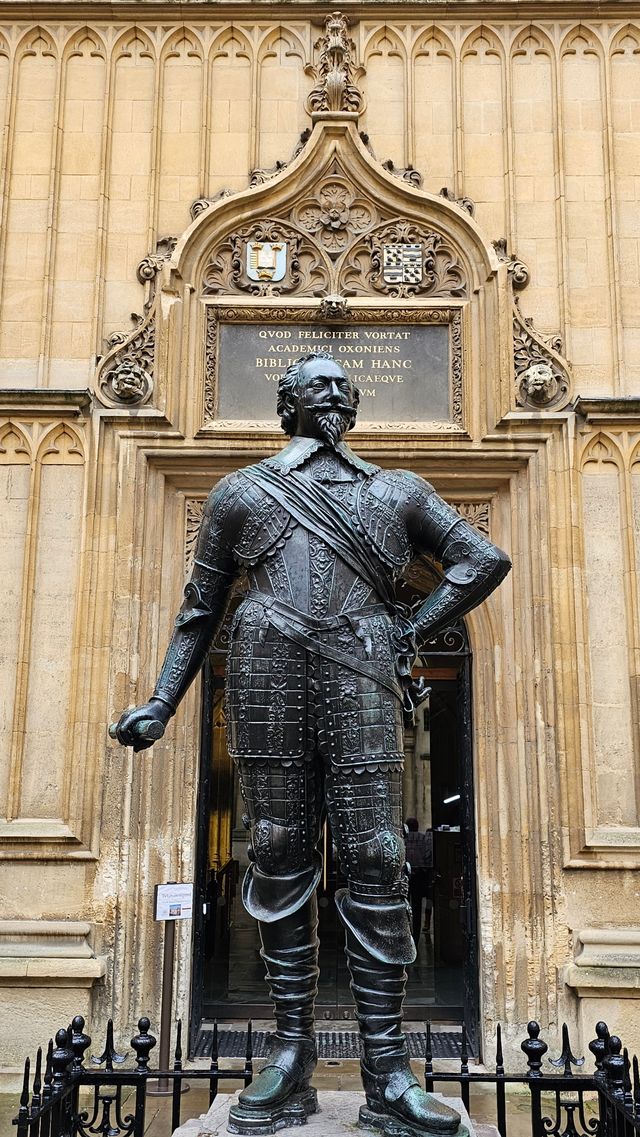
<point x="288" y="389"/>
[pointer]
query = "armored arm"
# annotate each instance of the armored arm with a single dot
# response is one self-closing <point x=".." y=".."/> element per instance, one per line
<point x="472" y="565"/>
<point x="205" y="601"/>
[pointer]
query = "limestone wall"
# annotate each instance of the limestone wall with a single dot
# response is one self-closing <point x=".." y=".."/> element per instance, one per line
<point x="109" y="133"/>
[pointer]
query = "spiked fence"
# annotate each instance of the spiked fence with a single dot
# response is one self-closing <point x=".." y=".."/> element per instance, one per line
<point x="66" y="1098"/>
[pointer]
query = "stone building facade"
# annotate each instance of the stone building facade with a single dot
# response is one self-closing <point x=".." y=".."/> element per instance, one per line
<point x="138" y="143"/>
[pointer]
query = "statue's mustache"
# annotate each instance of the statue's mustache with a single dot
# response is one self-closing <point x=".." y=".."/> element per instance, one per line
<point x="333" y="408"/>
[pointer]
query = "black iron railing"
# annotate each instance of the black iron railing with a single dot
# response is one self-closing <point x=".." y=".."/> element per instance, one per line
<point x="66" y="1098"/>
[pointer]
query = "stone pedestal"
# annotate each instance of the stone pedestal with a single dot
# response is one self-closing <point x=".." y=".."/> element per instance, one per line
<point x="336" y="1117"/>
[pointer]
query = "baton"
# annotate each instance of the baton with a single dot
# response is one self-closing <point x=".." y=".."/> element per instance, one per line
<point x="148" y="729"/>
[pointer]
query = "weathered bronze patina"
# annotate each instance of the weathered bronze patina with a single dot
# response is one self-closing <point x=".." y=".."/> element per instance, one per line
<point x="318" y="684"/>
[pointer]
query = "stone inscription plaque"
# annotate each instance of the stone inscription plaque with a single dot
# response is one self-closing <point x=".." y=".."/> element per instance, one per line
<point x="402" y="370"/>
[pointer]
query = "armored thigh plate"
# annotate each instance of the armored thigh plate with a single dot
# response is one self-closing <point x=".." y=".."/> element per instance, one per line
<point x="266" y="689"/>
<point x="362" y="718"/>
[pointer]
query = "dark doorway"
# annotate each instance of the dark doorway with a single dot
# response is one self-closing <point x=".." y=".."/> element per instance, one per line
<point x="228" y="974"/>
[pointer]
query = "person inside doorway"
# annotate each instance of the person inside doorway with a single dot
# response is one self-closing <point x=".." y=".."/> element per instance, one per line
<point x="419" y="852"/>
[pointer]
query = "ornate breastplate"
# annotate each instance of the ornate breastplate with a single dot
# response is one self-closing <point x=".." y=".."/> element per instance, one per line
<point x="379" y="510"/>
<point x="265" y="527"/>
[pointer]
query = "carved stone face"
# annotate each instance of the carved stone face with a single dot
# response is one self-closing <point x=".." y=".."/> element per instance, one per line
<point x="326" y="401"/>
<point x="538" y="381"/>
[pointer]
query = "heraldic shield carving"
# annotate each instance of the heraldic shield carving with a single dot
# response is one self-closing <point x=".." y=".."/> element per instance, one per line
<point x="336" y="249"/>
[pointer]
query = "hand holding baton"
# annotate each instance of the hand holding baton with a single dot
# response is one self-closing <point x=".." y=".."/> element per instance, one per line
<point x="148" y="729"/>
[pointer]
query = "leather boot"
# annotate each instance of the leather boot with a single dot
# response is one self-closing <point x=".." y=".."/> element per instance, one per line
<point x="281" y="1095"/>
<point x="396" y="1103"/>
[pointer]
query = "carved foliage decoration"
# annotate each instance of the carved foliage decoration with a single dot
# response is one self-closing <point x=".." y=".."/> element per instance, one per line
<point x="125" y="373"/>
<point x="341" y="225"/>
<point x="306" y="272"/>
<point x="542" y="375"/>
<point x="335" y="214"/>
<point x="335" y="72"/>
<point x="476" y="513"/>
<point x="442" y="273"/>
<point x="194" y="508"/>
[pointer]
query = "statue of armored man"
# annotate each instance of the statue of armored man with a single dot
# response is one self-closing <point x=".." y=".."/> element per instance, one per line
<point x="318" y="689"/>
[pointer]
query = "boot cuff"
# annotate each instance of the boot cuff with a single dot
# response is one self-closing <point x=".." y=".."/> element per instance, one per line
<point x="270" y="898"/>
<point x="381" y="928"/>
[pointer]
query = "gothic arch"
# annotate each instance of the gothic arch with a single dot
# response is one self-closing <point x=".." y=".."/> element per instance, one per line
<point x="482" y="41"/>
<point x="231" y="35"/>
<point x="581" y="40"/>
<point x="433" y="38"/>
<point x="82" y="41"/>
<point x="15" y="448"/>
<point x="36" y="41"/>
<point x="267" y="47"/>
<point x="533" y="41"/>
<point x="131" y="42"/>
<point x="626" y="41"/>
<point x="376" y="41"/>
<point x="61" y="446"/>
<point x="600" y="451"/>
<point x="182" y="41"/>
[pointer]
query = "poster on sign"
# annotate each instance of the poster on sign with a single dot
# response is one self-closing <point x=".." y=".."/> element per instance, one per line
<point x="173" y="901"/>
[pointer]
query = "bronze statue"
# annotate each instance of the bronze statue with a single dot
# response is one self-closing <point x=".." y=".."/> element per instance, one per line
<point x="318" y="682"/>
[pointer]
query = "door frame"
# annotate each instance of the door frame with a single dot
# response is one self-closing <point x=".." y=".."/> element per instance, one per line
<point x="438" y="657"/>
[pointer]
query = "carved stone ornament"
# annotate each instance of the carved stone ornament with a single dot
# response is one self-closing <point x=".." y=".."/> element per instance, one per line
<point x="519" y="274"/>
<point x="335" y="215"/>
<point x="335" y="72"/>
<point x="201" y="204"/>
<point x="125" y="373"/>
<point x="229" y="269"/>
<point x="259" y="176"/>
<point x="413" y="177"/>
<point x="465" y="203"/>
<point x="336" y="246"/>
<point x="433" y="271"/>
<point x="542" y="375"/>
<point x="334" y="308"/>
<point x="150" y="265"/>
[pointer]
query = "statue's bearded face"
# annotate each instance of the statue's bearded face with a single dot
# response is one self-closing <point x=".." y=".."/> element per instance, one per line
<point x="326" y="401"/>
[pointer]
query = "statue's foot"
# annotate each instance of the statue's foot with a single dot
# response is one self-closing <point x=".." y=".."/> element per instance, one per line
<point x="280" y="1095"/>
<point x="263" y="1118"/>
<point x="398" y="1106"/>
<point x="412" y="1115"/>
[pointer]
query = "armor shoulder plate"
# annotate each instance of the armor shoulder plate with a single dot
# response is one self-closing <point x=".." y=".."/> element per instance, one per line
<point x="380" y="510"/>
<point x="263" y="527"/>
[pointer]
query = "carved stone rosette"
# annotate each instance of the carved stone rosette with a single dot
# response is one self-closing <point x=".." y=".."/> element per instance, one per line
<point x="335" y="215"/>
<point x="336" y="71"/>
